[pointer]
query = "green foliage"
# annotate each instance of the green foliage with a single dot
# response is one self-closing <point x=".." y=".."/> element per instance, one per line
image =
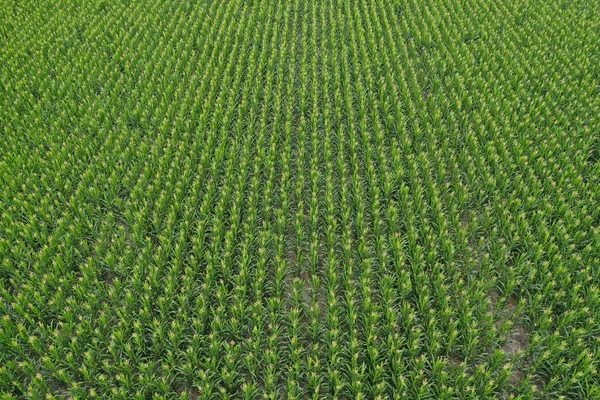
<point x="351" y="199"/>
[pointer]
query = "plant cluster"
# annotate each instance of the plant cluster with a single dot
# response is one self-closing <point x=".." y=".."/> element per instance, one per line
<point x="350" y="199"/>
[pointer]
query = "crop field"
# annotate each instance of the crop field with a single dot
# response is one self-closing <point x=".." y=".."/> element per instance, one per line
<point x="341" y="199"/>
